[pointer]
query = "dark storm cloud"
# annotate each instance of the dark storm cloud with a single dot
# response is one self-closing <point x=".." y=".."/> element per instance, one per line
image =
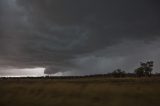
<point x="76" y="35"/>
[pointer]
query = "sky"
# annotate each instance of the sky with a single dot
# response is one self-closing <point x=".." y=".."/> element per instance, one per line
<point x="77" y="37"/>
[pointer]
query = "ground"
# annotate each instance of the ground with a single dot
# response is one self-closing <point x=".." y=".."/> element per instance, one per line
<point x="80" y="92"/>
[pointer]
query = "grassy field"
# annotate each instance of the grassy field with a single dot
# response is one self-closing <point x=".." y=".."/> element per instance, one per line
<point x="80" y="92"/>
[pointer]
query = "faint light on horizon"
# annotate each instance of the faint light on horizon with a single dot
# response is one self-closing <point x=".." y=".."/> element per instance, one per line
<point x="38" y="71"/>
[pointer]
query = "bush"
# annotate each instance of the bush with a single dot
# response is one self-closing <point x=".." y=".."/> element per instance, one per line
<point x="118" y="73"/>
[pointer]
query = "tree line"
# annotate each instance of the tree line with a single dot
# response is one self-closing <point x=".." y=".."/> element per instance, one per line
<point x="145" y="70"/>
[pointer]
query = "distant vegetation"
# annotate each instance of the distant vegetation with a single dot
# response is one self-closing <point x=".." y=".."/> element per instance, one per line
<point x="145" y="69"/>
<point x="119" y="73"/>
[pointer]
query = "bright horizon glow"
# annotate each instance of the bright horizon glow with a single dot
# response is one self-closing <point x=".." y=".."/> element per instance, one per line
<point x="26" y="72"/>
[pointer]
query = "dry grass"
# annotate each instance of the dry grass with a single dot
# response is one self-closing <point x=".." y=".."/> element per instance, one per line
<point x="81" y="92"/>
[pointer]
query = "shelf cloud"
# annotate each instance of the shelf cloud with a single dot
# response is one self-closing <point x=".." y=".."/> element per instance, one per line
<point x="79" y="36"/>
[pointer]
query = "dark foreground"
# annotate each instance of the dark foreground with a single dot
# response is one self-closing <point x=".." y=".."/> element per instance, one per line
<point x="80" y="92"/>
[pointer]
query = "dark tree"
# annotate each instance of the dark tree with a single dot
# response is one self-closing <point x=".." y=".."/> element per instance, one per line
<point x="118" y="73"/>
<point x="145" y="69"/>
<point x="139" y="72"/>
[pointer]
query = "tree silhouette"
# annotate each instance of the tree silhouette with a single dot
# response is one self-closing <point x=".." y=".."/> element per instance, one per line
<point x="145" y="69"/>
<point x="118" y="73"/>
<point x="139" y="72"/>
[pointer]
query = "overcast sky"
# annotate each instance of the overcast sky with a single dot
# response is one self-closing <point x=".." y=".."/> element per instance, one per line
<point x="74" y="37"/>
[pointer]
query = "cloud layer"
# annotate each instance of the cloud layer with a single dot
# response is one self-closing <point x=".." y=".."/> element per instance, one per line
<point x="79" y="36"/>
